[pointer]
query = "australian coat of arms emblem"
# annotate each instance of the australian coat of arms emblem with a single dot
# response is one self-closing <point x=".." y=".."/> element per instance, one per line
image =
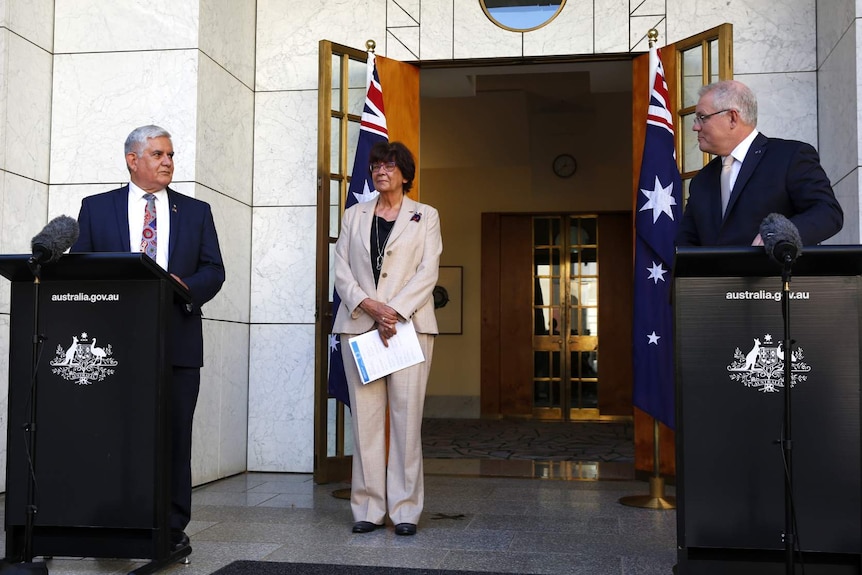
<point x="83" y="361"/>
<point x="762" y="367"/>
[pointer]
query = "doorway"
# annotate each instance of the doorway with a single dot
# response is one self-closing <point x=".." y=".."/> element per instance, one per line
<point x="556" y="297"/>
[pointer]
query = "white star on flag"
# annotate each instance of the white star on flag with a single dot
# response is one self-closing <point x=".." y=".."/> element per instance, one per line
<point x="660" y="199"/>
<point x="367" y="195"/>
<point x="656" y="272"/>
<point x="333" y="342"/>
<point x="653" y="338"/>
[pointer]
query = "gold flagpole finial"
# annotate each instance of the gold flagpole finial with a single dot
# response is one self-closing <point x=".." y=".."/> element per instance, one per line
<point x="652" y="35"/>
<point x="370" y="45"/>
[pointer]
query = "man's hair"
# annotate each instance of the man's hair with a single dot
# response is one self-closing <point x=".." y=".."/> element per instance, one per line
<point x="733" y="95"/>
<point x="398" y="153"/>
<point x="137" y="140"/>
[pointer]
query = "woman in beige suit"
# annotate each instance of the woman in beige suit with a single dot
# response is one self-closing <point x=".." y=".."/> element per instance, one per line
<point x="386" y="263"/>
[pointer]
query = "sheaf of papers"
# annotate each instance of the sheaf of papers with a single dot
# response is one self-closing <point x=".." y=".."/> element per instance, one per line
<point x="374" y="360"/>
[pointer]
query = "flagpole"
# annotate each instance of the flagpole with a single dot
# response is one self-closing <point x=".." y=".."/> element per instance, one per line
<point x="656" y="498"/>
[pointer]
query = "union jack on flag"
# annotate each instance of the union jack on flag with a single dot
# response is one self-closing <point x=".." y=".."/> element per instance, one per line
<point x="657" y="213"/>
<point x="372" y="129"/>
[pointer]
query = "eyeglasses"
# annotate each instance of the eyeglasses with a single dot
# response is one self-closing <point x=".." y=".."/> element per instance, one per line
<point x="700" y="119"/>
<point x="387" y="167"/>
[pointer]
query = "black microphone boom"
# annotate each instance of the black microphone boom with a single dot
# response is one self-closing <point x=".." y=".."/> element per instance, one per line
<point x="56" y="237"/>
<point x="781" y="239"/>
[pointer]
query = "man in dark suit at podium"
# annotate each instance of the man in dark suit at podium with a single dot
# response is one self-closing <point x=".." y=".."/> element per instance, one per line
<point x="179" y="233"/>
<point x="751" y="177"/>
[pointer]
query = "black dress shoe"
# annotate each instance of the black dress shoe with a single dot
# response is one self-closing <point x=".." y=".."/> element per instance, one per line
<point x="365" y="527"/>
<point x="405" y="529"/>
<point x="179" y="539"/>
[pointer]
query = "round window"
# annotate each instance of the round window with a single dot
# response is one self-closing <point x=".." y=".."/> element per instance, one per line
<point x="521" y="15"/>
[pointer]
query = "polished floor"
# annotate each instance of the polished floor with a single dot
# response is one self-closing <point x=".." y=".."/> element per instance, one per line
<point x="485" y="515"/>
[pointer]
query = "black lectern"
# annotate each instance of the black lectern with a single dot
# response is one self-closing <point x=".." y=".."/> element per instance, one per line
<point x="730" y="410"/>
<point x="101" y="463"/>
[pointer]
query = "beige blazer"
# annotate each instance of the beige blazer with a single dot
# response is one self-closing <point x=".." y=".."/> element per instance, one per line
<point x="409" y="272"/>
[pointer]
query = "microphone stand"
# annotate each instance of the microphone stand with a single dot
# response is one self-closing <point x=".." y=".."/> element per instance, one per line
<point x="27" y="566"/>
<point x="786" y="443"/>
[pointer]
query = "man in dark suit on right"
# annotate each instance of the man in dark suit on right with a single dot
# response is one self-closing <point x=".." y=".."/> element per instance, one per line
<point x="751" y="177"/>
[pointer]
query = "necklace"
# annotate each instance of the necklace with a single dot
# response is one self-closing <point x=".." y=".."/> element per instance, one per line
<point x="377" y="237"/>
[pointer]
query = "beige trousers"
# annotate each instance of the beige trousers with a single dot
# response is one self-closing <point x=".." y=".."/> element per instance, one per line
<point x="396" y="485"/>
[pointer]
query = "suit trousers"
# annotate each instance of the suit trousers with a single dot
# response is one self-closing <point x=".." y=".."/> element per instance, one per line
<point x="390" y="482"/>
<point x="184" y="395"/>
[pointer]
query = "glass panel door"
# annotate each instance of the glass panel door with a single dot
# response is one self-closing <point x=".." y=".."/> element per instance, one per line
<point x="565" y="317"/>
<point x="342" y="73"/>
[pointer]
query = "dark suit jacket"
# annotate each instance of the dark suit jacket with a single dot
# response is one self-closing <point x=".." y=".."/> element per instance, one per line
<point x="193" y="255"/>
<point x="777" y="176"/>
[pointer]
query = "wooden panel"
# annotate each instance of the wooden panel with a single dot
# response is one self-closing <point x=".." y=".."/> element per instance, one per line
<point x="490" y="329"/>
<point x="615" y="314"/>
<point x="516" y="316"/>
<point x="400" y="83"/>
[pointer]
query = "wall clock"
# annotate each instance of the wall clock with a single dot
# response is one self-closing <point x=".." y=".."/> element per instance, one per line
<point x="565" y="165"/>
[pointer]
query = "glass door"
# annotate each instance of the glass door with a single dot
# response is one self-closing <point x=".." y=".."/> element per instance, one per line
<point x="565" y="317"/>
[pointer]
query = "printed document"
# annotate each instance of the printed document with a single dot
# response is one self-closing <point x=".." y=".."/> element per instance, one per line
<point x="374" y="360"/>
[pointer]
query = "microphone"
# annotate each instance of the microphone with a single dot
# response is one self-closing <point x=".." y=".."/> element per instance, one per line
<point x="781" y="238"/>
<point x="56" y="237"/>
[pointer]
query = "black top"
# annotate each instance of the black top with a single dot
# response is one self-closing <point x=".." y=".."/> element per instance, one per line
<point x="378" y="244"/>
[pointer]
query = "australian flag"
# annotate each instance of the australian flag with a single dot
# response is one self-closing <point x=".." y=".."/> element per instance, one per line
<point x="361" y="189"/>
<point x="658" y="211"/>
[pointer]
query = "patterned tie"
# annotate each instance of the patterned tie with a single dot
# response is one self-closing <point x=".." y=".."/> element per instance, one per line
<point x="726" y="166"/>
<point x="148" y="237"/>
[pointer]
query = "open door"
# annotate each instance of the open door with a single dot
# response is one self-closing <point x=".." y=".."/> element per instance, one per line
<point x="689" y="64"/>
<point x="341" y="97"/>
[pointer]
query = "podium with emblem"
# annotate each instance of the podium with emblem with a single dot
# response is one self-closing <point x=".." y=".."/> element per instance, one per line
<point x="729" y="330"/>
<point x="89" y="415"/>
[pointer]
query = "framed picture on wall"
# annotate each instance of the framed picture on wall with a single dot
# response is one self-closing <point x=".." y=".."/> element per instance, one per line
<point x="447" y="299"/>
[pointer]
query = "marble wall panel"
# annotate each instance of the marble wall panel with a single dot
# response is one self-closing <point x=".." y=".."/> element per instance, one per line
<point x="26" y="88"/>
<point x="837" y="101"/>
<point x="436" y="32"/>
<point x="112" y="94"/>
<point x="611" y="26"/>
<point x="233" y="225"/>
<point x="4" y="64"/>
<point x="571" y="32"/>
<point x="475" y="36"/>
<point x="281" y="398"/>
<point x="283" y="265"/>
<point x="285" y="159"/>
<point x="110" y="26"/>
<point x="787" y="104"/>
<point x="767" y="36"/>
<point x="834" y="19"/>
<point x="227" y="31"/>
<point x="30" y="19"/>
<point x="220" y="426"/>
<point x="225" y="132"/>
<point x="288" y="34"/>
<point x="23" y="212"/>
<point x="847" y="192"/>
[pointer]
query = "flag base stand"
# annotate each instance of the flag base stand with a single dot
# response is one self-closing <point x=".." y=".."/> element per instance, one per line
<point x="343" y="493"/>
<point x="656" y="498"/>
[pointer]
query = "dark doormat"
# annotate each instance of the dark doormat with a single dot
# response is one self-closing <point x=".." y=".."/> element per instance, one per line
<point x="277" y="568"/>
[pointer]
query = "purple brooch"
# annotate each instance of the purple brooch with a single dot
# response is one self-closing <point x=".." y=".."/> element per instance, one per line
<point x="416" y="217"/>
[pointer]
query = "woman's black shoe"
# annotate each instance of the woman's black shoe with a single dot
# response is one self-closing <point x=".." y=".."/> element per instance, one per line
<point x="405" y="529"/>
<point x="365" y="527"/>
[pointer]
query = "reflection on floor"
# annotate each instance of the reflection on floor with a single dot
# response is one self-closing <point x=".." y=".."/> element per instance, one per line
<point x="511" y="515"/>
<point x="505" y="524"/>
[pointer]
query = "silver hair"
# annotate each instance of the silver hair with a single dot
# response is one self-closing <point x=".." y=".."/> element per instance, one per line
<point x="137" y="140"/>
<point x="733" y="95"/>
